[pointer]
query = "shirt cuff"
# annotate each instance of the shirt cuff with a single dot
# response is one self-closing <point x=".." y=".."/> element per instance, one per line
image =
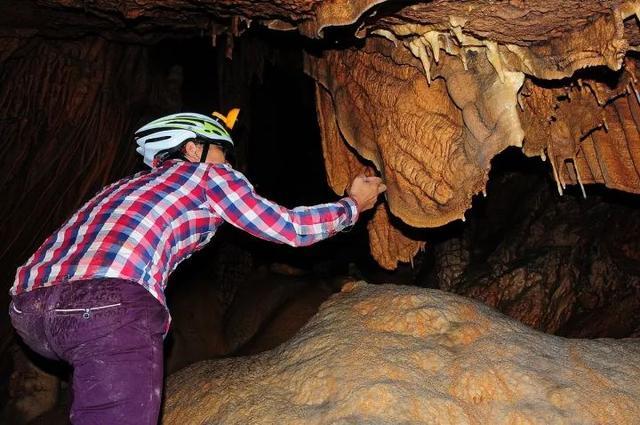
<point x="352" y="210"/>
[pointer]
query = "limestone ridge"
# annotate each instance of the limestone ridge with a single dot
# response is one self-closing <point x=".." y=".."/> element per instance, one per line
<point x="384" y="354"/>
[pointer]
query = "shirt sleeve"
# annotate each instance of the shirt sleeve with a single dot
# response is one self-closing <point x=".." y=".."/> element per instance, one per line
<point x="231" y="196"/>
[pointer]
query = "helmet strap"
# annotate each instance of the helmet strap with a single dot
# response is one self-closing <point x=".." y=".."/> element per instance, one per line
<point x="205" y="152"/>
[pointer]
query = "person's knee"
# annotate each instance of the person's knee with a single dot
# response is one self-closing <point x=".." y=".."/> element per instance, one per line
<point x="122" y="386"/>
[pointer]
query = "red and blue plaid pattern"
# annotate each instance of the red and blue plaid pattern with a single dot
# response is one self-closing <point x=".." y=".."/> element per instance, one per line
<point x="140" y="228"/>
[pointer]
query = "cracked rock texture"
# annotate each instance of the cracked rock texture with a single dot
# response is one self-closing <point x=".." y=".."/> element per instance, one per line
<point x="391" y="354"/>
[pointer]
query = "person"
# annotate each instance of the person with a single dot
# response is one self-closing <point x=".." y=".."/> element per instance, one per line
<point x="93" y="293"/>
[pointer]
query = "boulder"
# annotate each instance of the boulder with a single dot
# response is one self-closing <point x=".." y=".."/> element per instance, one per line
<point x="386" y="354"/>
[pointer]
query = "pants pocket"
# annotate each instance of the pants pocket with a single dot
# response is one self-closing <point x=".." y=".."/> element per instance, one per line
<point x="86" y="312"/>
<point x="77" y="325"/>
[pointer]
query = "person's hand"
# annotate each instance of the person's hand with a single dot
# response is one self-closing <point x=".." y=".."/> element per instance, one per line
<point x="365" y="190"/>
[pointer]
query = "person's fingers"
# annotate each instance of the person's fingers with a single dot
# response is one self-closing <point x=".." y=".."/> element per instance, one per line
<point x="381" y="188"/>
<point x="374" y="179"/>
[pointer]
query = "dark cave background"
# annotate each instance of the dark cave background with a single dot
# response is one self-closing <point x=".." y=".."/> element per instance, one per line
<point x="564" y="265"/>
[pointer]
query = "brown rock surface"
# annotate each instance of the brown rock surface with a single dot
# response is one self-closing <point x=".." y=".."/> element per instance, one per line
<point x="387" y="243"/>
<point x="32" y="390"/>
<point x="385" y="112"/>
<point x="529" y="23"/>
<point x="432" y="140"/>
<point x="391" y="354"/>
<point x="588" y="130"/>
<point x="546" y="39"/>
<point x="562" y="265"/>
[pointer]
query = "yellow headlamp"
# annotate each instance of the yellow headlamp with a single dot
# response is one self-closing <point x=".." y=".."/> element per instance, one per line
<point x="230" y="119"/>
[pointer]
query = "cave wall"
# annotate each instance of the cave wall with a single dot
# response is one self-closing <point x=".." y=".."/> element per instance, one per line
<point x="433" y="92"/>
<point x="427" y="97"/>
<point x="68" y="108"/>
<point x="487" y="66"/>
<point x="560" y="264"/>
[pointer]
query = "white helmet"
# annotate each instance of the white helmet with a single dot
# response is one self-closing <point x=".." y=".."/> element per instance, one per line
<point x="164" y="136"/>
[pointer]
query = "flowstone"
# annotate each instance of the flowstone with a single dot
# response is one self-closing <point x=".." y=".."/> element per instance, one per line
<point x="385" y="354"/>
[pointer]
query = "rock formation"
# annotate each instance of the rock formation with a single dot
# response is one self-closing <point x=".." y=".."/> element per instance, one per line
<point x="222" y="307"/>
<point x="32" y="391"/>
<point x="436" y="89"/>
<point x="423" y="93"/>
<point x="387" y="354"/>
<point x="560" y="264"/>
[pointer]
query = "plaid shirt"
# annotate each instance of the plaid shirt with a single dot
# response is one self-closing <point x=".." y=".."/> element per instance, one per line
<point x="140" y="228"/>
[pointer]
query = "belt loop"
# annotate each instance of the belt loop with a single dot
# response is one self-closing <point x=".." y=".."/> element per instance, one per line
<point x="53" y="296"/>
<point x="49" y="304"/>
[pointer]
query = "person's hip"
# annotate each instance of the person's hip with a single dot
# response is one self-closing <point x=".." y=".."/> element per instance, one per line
<point x="54" y="319"/>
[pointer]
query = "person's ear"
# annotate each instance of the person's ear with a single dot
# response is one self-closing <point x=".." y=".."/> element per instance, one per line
<point x="191" y="150"/>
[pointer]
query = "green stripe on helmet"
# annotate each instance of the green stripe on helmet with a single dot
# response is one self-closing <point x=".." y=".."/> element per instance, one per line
<point x="203" y="128"/>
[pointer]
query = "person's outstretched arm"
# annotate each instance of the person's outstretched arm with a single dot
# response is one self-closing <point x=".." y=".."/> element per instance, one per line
<point x="231" y="196"/>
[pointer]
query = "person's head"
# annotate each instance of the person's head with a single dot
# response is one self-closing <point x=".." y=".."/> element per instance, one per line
<point x="188" y="136"/>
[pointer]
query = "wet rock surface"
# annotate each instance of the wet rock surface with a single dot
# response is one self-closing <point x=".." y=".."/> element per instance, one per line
<point x="392" y="354"/>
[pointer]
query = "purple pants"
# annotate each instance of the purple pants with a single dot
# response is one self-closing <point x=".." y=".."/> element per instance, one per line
<point x="110" y="331"/>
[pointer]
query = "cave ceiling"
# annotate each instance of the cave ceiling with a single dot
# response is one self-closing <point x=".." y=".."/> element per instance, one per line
<point x="427" y="93"/>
